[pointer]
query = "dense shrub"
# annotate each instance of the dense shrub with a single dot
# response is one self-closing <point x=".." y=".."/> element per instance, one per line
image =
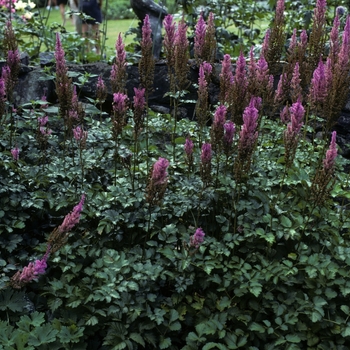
<point x="229" y="231"/>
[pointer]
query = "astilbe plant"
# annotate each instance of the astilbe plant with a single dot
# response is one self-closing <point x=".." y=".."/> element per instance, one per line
<point x="59" y="235"/>
<point x="204" y="40"/>
<point x="276" y="39"/>
<point x="323" y="180"/>
<point x="202" y="105"/>
<point x="147" y="62"/>
<point x="272" y="270"/>
<point x="292" y="133"/>
<point x="317" y="37"/>
<point x="119" y="73"/>
<point x="238" y="90"/>
<point x="158" y="181"/>
<point x="30" y="272"/>
<point x="247" y="141"/>
<point x="63" y="84"/>
<point x="169" y="49"/>
<point x="206" y="163"/>
<point x="188" y="148"/>
<point x="2" y="99"/>
<point x="226" y="80"/>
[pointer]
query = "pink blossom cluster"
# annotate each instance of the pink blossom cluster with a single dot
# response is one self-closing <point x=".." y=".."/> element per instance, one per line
<point x="197" y="238"/>
<point x="31" y="271"/>
<point x="159" y="173"/>
<point x="8" y="5"/>
<point x="72" y="218"/>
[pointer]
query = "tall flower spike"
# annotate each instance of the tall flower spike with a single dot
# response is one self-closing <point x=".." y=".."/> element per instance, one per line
<point x="324" y="177"/>
<point x="247" y="140"/>
<point x="169" y="48"/>
<point x="80" y="136"/>
<point x="206" y="155"/>
<point x="229" y="128"/>
<point x="209" y="50"/>
<point x="296" y="90"/>
<point x="181" y="55"/>
<point x="277" y="38"/>
<point x="139" y="109"/>
<point x="159" y="173"/>
<point x="101" y="90"/>
<point x="158" y="181"/>
<point x="2" y="98"/>
<point x="72" y="219"/>
<point x="334" y="40"/>
<point x="291" y="134"/>
<point x="331" y="154"/>
<point x="118" y="72"/>
<point x="188" y="147"/>
<point x="217" y="128"/>
<point x="317" y="37"/>
<point x="30" y="272"/>
<point x="59" y="235"/>
<point x="318" y="89"/>
<point x="265" y="45"/>
<point x="239" y="90"/>
<point x="146" y="62"/>
<point x="202" y="102"/>
<point x="63" y="83"/>
<point x="199" y="38"/>
<point x="226" y="79"/>
<point x="119" y="117"/>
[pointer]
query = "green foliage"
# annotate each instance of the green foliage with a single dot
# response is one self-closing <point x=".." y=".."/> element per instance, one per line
<point x="272" y="272"/>
<point x="119" y="9"/>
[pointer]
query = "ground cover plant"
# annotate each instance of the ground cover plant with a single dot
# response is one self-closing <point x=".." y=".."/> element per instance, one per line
<point x="137" y="230"/>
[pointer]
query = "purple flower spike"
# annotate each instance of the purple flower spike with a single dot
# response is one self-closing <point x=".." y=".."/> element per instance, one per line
<point x="146" y="33"/>
<point x="188" y="147"/>
<point x="80" y="134"/>
<point x="43" y="120"/>
<point x="197" y="239"/>
<point x="73" y="217"/>
<point x="219" y="117"/>
<point x="206" y="153"/>
<point x="229" y="133"/>
<point x="139" y="98"/>
<point x="199" y="38"/>
<point x="15" y="154"/>
<point x="331" y="154"/>
<point x="119" y="102"/>
<point x="318" y="90"/>
<point x="159" y="173"/>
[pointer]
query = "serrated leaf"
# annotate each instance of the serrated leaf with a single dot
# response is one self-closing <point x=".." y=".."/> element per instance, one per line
<point x="164" y="343"/>
<point x="70" y="334"/>
<point x="42" y="335"/>
<point x="12" y="300"/>
<point x="35" y="319"/>
<point x="92" y="321"/>
<point x="136" y="337"/>
<point x="212" y="345"/>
